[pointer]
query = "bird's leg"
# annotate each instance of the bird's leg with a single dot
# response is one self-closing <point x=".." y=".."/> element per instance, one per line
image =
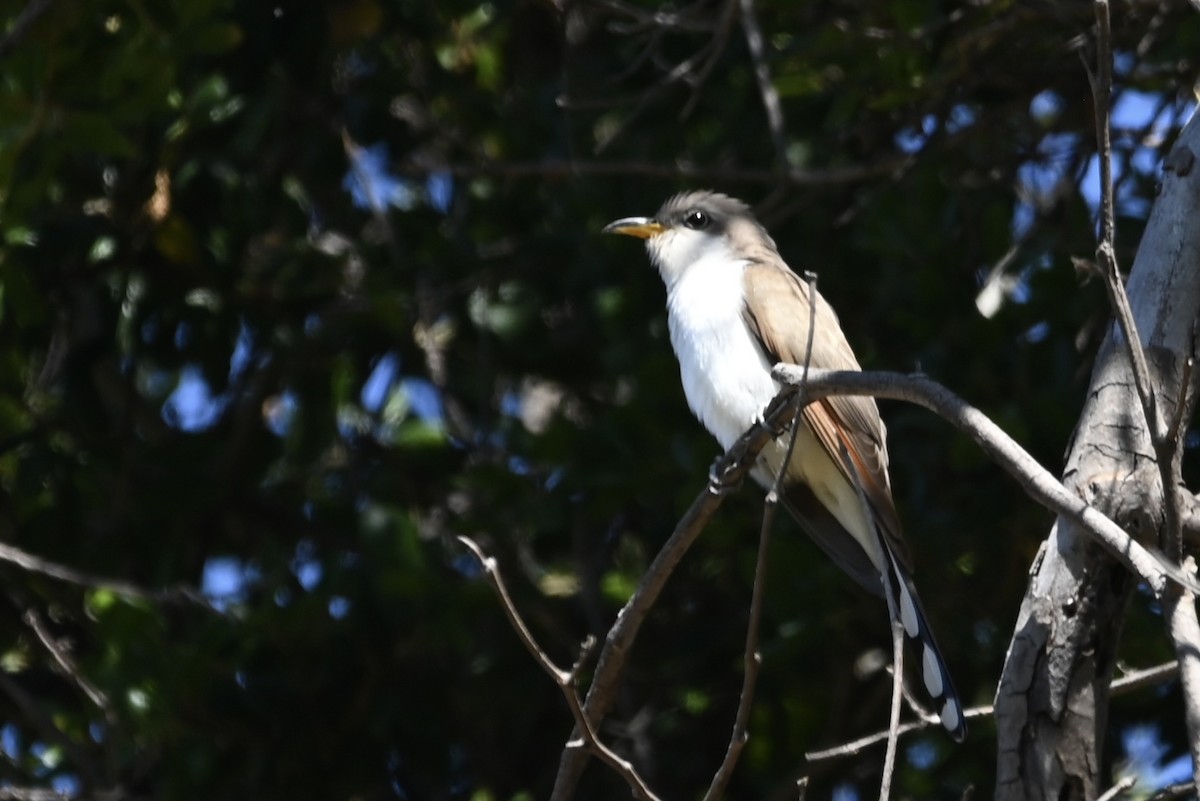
<point x="719" y="482"/>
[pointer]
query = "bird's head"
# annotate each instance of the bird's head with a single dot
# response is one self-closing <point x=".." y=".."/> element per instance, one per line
<point x="694" y="226"/>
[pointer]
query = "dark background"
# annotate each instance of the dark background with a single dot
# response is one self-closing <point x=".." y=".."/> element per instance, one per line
<point x="291" y="294"/>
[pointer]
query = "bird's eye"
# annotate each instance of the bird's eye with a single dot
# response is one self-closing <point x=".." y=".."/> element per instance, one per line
<point x="696" y="220"/>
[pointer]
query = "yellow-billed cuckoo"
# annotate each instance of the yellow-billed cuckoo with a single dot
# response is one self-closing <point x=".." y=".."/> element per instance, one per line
<point x="734" y="308"/>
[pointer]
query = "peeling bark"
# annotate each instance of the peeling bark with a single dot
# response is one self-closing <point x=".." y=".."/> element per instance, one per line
<point x="1052" y="702"/>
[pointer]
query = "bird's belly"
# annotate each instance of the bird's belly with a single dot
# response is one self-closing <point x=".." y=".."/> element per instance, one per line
<point x="727" y="382"/>
<point x="726" y="379"/>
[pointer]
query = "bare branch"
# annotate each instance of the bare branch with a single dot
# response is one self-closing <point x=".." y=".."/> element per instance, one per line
<point x="1144" y="678"/>
<point x="32" y="794"/>
<point x="730" y="469"/>
<point x="753" y="659"/>
<point x="724" y="26"/>
<point x="1181" y="790"/>
<point x="1106" y="255"/>
<point x="855" y="746"/>
<point x="1167" y="439"/>
<point x="660" y="19"/>
<point x="893" y="731"/>
<point x="66" y="663"/>
<point x="565" y="679"/>
<point x="1180" y="611"/>
<point x="36" y="564"/>
<point x="1038" y="483"/>
<point x="1117" y="789"/>
<point x="762" y="75"/>
<point x="1126" y="684"/>
<point x="893" y="607"/>
<point x="33" y="10"/>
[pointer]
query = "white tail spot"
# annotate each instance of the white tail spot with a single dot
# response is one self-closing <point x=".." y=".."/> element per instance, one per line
<point x="950" y="717"/>
<point x="932" y="672"/>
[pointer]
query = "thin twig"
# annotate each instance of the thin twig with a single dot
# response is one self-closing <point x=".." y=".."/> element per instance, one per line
<point x="893" y="607"/>
<point x="33" y="10"/>
<point x="752" y="660"/>
<point x="66" y="663"/>
<point x="1147" y="677"/>
<point x="1118" y="788"/>
<point x="729" y="469"/>
<point x="1101" y="85"/>
<point x="1166" y="439"/>
<point x="565" y="679"/>
<point x="677" y="74"/>
<point x="1170" y="465"/>
<point x="919" y="709"/>
<point x="889" y="754"/>
<point x="44" y="567"/>
<point x="1179" y="608"/>
<point x="1126" y="684"/>
<point x="1174" y="791"/>
<point x="855" y="746"/>
<point x="724" y="26"/>
<point x="762" y="75"/>
<point x="32" y="794"/>
<point x="1038" y="483"/>
<point x="659" y="19"/>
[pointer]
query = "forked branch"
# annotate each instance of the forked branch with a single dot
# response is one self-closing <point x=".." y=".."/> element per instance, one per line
<point x="565" y="679"/>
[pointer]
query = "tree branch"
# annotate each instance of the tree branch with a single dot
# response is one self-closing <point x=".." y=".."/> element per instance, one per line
<point x="66" y="663"/>
<point x="1166" y="439"/>
<point x="33" y="11"/>
<point x="752" y="658"/>
<point x="724" y="26"/>
<point x="565" y="679"/>
<point x="730" y="469"/>
<point x="1117" y="789"/>
<point x="44" y="567"/>
<point x="1038" y="483"/>
<point x="762" y="76"/>
<point x="1179" y="608"/>
<point x="1126" y="684"/>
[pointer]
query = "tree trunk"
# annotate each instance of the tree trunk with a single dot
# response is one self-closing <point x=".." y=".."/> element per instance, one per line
<point x="1052" y="702"/>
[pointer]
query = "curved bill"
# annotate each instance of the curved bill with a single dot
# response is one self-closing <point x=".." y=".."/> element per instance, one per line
<point x="641" y="227"/>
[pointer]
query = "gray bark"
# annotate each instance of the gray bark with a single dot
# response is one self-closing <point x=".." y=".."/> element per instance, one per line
<point x="1052" y="702"/>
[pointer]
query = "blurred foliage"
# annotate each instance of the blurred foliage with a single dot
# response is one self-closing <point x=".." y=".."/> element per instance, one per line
<point x="292" y="293"/>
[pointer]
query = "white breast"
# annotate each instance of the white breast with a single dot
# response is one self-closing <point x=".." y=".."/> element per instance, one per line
<point x="726" y="377"/>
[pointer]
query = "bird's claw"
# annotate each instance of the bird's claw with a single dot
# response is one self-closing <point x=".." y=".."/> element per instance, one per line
<point x="719" y="483"/>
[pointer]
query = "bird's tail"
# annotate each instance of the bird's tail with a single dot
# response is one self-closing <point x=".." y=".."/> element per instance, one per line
<point x="934" y="674"/>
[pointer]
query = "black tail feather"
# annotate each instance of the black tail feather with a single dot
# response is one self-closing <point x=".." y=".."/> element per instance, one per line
<point x="935" y="677"/>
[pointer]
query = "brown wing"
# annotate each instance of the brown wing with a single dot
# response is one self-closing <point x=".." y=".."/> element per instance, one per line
<point x="777" y="311"/>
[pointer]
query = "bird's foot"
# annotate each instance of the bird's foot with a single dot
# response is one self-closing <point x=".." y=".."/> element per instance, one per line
<point x="719" y="482"/>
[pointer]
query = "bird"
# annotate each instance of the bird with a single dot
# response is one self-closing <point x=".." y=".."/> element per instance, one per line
<point x="734" y="309"/>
